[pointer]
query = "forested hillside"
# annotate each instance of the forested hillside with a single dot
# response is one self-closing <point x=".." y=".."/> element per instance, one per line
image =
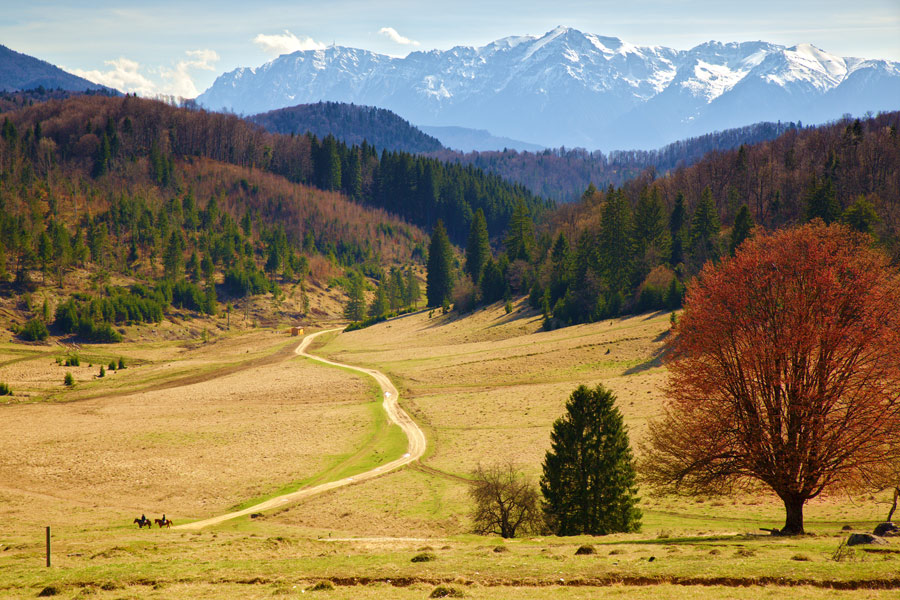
<point x="633" y="248"/>
<point x="350" y="124"/>
<point x="94" y="190"/>
<point x="563" y="174"/>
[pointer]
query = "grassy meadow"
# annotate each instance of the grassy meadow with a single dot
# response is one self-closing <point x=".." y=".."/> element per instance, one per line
<point x="195" y="430"/>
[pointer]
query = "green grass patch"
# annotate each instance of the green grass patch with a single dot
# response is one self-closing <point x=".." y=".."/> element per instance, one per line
<point x="385" y="443"/>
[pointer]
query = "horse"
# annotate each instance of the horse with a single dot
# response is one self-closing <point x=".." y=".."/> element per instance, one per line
<point x="163" y="522"/>
<point x="142" y="522"/>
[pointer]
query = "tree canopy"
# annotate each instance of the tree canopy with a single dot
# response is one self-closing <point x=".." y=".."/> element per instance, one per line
<point x="784" y="371"/>
<point x="589" y="479"/>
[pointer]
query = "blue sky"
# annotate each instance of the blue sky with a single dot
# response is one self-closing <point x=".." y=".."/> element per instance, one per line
<point x="179" y="47"/>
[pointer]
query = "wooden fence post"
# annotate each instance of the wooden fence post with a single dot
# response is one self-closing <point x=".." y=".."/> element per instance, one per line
<point x="48" y="545"/>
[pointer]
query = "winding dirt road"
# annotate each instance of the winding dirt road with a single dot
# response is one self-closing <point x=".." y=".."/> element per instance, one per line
<point x="414" y="450"/>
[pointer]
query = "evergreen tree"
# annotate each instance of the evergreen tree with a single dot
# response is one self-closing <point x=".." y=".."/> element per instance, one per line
<point x="615" y="243"/>
<point x="677" y="220"/>
<point x="412" y="292"/>
<point x="743" y="228"/>
<point x="822" y="203"/>
<point x="352" y="178"/>
<point x="395" y="290"/>
<point x="207" y="268"/>
<point x="439" y="276"/>
<point x="493" y="284"/>
<point x="861" y="216"/>
<point x="520" y="240"/>
<point x="379" y="304"/>
<point x="173" y="259"/>
<point x="705" y="229"/>
<point x="478" y="248"/>
<point x="355" y="309"/>
<point x="193" y="267"/>
<point x="652" y="240"/>
<point x="589" y="479"/>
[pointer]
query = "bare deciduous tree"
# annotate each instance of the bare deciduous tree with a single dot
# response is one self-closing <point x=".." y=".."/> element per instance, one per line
<point x="506" y="502"/>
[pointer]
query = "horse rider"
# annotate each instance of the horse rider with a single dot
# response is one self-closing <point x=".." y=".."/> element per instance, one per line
<point x="143" y="518"/>
<point x="164" y="519"/>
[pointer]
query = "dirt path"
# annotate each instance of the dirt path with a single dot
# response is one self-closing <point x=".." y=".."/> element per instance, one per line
<point x="414" y="451"/>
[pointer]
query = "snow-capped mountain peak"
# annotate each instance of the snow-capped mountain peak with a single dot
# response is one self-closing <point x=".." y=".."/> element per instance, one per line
<point x="567" y="87"/>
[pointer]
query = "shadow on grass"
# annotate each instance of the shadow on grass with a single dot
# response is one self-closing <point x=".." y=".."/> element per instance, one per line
<point x="656" y="360"/>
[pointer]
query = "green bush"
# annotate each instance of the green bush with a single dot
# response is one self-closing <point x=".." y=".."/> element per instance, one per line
<point x="102" y="372"/>
<point x="321" y="586"/>
<point x="112" y="365"/>
<point x="73" y="361"/>
<point x="68" y="380"/>
<point x="5" y="390"/>
<point x="445" y="591"/>
<point x="424" y="557"/>
<point x="121" y="363"/>
<point x="34" y="330"/>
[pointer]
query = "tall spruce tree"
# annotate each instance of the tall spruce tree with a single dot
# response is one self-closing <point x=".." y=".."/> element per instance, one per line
<point x="677" y="220"/>
<point x="520" y="240"/>
<point x="743" y="227"/>
<point x="589" y="479"/>
<point x="379" y="304"/>
<point x="439" y="276"/>
<point x="705" y="229"/>
<point x="615" y="242"/>
<point x="411" y="291"/>
<point x="478" y="248"/>
<point x="355" y="309"/>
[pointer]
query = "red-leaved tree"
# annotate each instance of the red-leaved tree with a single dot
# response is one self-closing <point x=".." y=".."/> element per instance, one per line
<point x="784" y="371"/>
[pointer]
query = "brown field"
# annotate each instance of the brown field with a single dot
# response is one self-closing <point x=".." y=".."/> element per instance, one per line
<point x="189" y="451"/>
<point x="195" y="429"/>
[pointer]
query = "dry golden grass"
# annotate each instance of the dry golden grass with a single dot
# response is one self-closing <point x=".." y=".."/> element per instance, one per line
<point x="490" y="386"/>
<point x="486" y="387"/>
<point x="189" y="451"/>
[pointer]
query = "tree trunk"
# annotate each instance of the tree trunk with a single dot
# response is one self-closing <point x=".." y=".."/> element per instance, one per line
<point x="894" y="505"/>
<point x="793" y="522"/>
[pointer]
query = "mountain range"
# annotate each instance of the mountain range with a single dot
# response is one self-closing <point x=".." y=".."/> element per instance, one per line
<point x="22" y="72"/>
<point x="568" y="88"/>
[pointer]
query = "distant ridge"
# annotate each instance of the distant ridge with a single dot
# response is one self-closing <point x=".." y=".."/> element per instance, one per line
<point x="476" y="140"/>
<point x="22" y="72"/>
<point x="562" y="174"/>
<point x="350" y="123"/>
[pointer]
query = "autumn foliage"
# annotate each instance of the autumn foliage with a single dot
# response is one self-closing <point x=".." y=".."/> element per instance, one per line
<point x="784" y="371"/>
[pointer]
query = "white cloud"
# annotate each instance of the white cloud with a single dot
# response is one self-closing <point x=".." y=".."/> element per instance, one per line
<point x="123" y="76"/>
<point x="129" y="76"/>
<point x="179" y="80"/>
<point x="285" y="43"/>
<point x="396" y="37"/>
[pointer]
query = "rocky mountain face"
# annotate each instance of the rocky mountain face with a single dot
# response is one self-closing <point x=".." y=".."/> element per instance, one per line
<point x="568" y="88"/>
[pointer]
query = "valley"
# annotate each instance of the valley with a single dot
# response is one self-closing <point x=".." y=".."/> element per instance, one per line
<point x="483" y="387"/>
<point x="435" y="311"/>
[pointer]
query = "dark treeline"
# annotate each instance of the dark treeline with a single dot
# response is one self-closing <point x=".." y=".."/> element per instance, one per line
<point x="563" y="174"/>
<point x="633" y="248"/>
<point x="350" y="124"/>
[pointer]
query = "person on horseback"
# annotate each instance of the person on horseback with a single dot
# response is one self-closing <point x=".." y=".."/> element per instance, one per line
<point x="164" y="519"/>
<point x="143" y="518"/>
